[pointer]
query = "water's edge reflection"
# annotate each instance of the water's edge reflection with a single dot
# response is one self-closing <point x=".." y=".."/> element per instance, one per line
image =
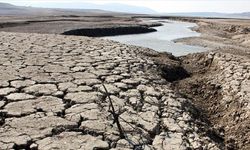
<point x="162" y="40"/>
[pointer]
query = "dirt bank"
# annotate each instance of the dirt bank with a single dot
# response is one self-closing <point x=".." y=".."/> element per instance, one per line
<point x="217" y="83"/>
<point x="219" y="80"/>
<point x="75" y="25"/>
<point x="219" y="87"/>
<point x="224" y="35"/>
<point x="119" y="30"/>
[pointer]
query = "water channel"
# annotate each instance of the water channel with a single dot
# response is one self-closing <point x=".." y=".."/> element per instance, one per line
<point x="162" y="40"/>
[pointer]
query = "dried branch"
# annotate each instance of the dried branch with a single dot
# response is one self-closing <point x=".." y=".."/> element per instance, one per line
<point x="117" y="118"/>
<point x="115" y="115"/>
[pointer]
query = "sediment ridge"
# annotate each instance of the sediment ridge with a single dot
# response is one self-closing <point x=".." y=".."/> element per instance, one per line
<point x="77" y="25"/>
<point x="224" y="35"/>
<point x="110" y="31"/>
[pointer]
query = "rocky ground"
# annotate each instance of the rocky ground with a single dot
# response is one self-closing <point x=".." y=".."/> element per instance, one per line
<point x="52" y="97"/>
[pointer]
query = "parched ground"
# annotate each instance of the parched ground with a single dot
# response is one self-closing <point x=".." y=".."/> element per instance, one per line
<point x="52" y="89"/>
<point x="223" y="35"/>
<point x="220" y="87"/>
<point x="58" y="24"/>
<point x="52" y="97"/>
<point x="220" y="80"/>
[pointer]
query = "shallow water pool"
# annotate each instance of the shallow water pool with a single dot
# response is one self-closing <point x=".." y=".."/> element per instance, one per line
<point x="162" y="40"/>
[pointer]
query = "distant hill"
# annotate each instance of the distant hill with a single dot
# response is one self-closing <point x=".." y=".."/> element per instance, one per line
<point x="5" y="5"/>
<point x="73" y="9"/>
<point x="109" y="9"/>
<point x="9" y="9"/>
<point x="198" y="14"/>
<point x="116" y="7"/>
<point x="245" y="14"/>
<point x="211" y="14"/>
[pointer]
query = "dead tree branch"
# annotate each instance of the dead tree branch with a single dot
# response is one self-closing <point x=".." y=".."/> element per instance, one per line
<point x="114" y="114"/>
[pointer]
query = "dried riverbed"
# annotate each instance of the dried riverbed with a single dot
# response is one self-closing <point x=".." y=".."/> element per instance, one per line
<point x="52" y="94"/>
<point x="52" y="97"/>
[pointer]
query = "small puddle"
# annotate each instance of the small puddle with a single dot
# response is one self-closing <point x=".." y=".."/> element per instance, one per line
<point x="162" y="40"/>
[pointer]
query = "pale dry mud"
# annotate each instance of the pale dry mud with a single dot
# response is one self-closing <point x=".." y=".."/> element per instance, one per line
<point x="84" y="25"/>
<point x="51" y="97"/>
<point x="220" y="80"/>
<point x="231" y="36"/>
<point x="220" y="87"/>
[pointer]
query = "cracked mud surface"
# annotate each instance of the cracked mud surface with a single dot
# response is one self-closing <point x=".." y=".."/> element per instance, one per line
<point x="221" y="90"/>
<point x="219" y="84"/>
<point x="51" y="97"/>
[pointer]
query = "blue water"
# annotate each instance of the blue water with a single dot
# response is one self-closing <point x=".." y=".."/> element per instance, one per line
<point x="162" y="40"/>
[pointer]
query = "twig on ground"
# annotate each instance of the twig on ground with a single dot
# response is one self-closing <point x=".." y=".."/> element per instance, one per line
<point x="115" y="115"/>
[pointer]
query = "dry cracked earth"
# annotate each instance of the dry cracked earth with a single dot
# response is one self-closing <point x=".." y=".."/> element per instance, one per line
<point x="221" y="90"/>
<point x="52" y="97"/>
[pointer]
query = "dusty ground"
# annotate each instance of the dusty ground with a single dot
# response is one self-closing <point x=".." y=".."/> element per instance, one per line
<point x="224" y="35"/>
<point x="52" y="94"/>
<point x="220" y="80"/>
<point x="52" y="97"/>
<point x="61" y="24"/>
<point x="220" y="89"/>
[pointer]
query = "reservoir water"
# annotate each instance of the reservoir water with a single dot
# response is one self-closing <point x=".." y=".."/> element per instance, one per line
<point x="162" y="40"/>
